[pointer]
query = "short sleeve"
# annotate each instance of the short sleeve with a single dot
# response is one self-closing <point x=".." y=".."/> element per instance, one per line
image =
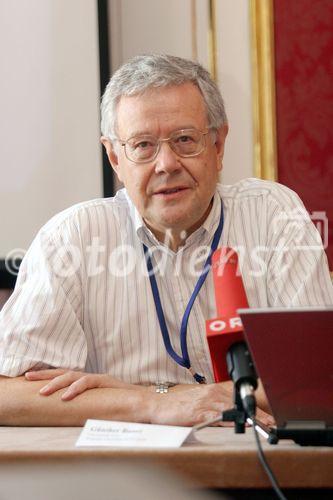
<point x="41" y="324"/>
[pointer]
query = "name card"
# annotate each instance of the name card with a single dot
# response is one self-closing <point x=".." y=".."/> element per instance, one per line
<point x="131" y="435"/>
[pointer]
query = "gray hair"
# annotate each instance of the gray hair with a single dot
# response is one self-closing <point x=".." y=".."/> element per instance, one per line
<point x="159" y="70"/>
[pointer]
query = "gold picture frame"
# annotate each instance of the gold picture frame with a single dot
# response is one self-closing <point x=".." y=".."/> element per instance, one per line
<point x="212" y="46"/>
<point x="263" y="82"/>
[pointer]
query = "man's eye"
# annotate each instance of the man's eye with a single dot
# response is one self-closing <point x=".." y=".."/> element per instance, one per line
<point x="143" y="145"/>
<point x="185" y="138"/>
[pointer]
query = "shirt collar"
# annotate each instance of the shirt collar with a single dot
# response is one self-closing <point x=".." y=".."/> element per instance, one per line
<point x="203" y="233"/>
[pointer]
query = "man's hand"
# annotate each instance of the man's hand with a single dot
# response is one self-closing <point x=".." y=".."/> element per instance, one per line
<point x="76" y="382"/>
<point x="194" y="404"/>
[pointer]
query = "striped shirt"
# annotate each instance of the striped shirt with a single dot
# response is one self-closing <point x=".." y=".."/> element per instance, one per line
<point x="83" y="299"/>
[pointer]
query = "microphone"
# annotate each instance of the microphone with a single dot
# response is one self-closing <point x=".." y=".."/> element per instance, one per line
<point x="243" y="375"/>
<point x="229" y="353"/>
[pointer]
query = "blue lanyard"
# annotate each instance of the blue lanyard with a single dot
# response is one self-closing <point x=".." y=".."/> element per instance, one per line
<point x="183" y="360"/>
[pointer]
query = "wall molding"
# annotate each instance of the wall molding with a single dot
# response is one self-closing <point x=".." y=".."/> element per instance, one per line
<point x="263" y="85"/>
<point x="212" y="45"/>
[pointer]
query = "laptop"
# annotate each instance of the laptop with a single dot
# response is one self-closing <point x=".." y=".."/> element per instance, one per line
<point x="292" y="351"/>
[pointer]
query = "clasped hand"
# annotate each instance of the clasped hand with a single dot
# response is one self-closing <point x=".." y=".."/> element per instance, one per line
<point x="75" y="382"/>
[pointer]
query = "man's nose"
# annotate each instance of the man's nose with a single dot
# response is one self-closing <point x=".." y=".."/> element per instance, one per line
<point x="167" y="160"/>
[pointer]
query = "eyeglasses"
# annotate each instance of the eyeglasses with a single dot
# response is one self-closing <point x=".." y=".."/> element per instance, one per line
<point x="185" y="143"/>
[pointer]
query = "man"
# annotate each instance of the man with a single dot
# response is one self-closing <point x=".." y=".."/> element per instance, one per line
<point x="87" y="305"/>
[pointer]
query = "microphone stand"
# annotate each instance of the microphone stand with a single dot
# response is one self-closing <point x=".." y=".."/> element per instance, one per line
<point x="242" y="372"/>
<point x="237" y="414"/>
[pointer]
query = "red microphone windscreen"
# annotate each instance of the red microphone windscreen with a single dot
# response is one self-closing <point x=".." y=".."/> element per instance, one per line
<point x="230" y="295"/>
<point x="229" y="289"/>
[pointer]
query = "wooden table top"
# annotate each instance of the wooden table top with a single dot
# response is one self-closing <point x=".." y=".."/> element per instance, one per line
<point x="215" y="458"/>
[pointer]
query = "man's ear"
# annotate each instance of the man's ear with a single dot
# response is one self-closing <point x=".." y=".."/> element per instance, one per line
<point x="111" y="154"/>
<point x="221" y="134"/>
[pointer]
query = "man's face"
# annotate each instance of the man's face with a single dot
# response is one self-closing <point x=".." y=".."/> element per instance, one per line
<point x="160" y="112"/>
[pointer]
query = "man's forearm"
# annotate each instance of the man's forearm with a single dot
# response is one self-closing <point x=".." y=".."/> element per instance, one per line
<point x="21" y="404"/>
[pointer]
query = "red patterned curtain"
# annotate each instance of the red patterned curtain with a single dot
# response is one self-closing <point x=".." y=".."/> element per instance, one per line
<point x="304" y="90"/>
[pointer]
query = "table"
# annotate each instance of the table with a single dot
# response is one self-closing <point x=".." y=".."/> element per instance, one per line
<point x="216" y="459"/>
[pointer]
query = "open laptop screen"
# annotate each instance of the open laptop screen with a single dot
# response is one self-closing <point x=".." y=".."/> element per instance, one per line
<point x="293" y="353"/>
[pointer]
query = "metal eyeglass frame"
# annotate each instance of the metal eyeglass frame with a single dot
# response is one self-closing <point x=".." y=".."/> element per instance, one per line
<point x="123" y="143"/>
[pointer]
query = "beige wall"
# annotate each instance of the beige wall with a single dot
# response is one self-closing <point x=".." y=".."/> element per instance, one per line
<point x="49" y="122"/>
<point x="234" y="77"/>
<point x="166" y="26"/>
